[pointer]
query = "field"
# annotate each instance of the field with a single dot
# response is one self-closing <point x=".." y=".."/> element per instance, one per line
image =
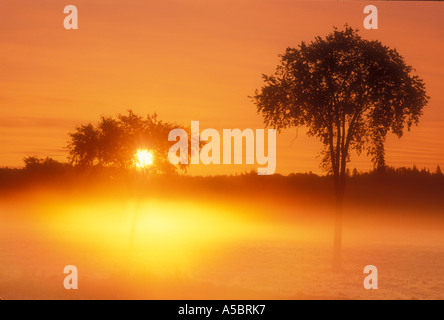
<point x="239" y="237"/>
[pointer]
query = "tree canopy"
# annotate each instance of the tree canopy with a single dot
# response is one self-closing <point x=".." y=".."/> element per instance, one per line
<point x="349" y="92"/>
<point x="114" y="141"/>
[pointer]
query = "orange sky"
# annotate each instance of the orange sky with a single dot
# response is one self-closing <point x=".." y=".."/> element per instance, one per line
<point x="190" y="60"/>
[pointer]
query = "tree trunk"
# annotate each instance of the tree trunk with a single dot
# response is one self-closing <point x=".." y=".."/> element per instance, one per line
<point x="337" y="240"/>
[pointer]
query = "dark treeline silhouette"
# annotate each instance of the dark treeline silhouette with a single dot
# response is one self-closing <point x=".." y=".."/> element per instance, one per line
<point x="396" y="187"/>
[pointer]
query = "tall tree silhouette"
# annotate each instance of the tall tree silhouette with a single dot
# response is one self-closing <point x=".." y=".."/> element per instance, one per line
<point x="349" y="92"/>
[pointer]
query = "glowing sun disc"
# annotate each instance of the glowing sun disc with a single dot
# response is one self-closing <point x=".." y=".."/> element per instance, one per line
<point x="143" y="159"/>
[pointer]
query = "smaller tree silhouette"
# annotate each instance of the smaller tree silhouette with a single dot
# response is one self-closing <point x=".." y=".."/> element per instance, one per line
<point x="114" y="141"/>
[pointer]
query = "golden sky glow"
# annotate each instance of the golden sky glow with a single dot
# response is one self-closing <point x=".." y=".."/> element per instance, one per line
<point x="190" y="60"/>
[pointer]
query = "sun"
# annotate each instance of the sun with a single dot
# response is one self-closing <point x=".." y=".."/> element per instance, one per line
<point x="143" y="158"/>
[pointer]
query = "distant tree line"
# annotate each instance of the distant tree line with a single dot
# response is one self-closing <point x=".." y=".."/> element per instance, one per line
<point x="48" y="164"/>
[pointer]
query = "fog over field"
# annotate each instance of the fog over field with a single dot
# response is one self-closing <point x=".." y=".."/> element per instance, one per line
<point x="220" y="237"/>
